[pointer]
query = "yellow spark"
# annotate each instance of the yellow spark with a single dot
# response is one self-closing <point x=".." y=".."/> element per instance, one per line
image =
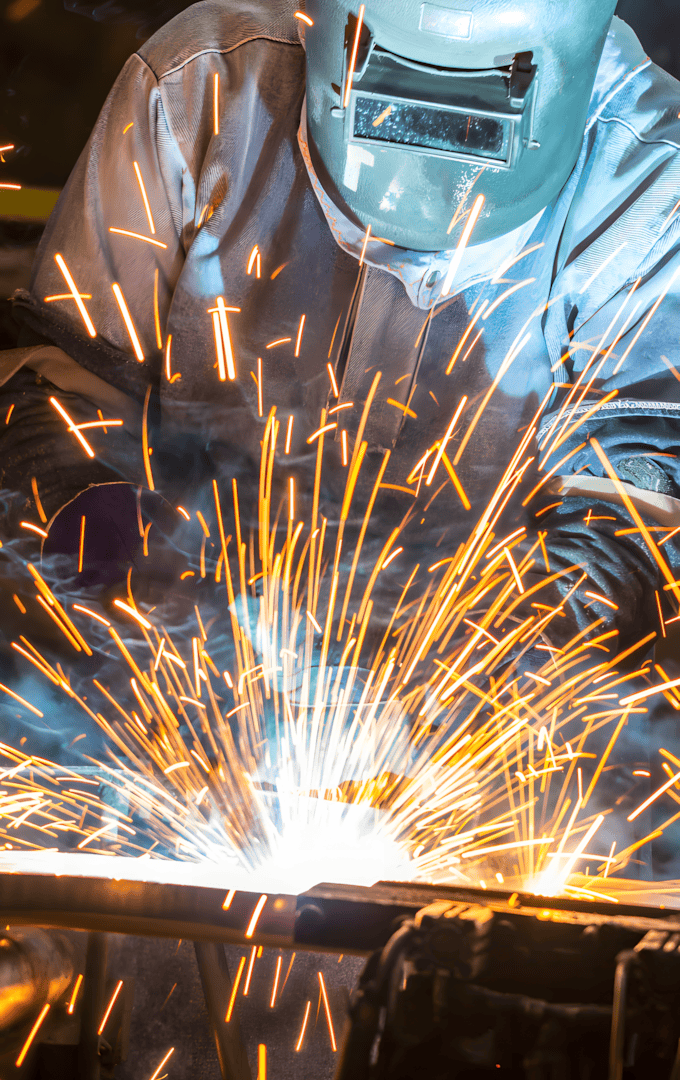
<point x="10" y="187"/>
<point x="138" y="236"/>
<point x="513" y="567"/>
<point x="302" y="17"/>
<point x="126" y="129"/>
<point x="167" y="1057"/>
<point x="31" y="1036"/>
<point x="277" y="975"/>
<point x="75" y="293"/>
<point x="74" y="428"/>
<point x="289" y="432"/>
<point x="74" y="996"/>
<point x="81" y="544"/>
<point x="9" y="413"/>
<point x="127" y="319"/>
<point x="184" y="513"/>
<point x="327" y="1009"/>
<point x="298" y="1045"/>
<point x="223" y="341"/>
<point x="353" y="57"/>
<point x="177" y="765"/>
<point x="216" y="102"/>
<point x="228" y="899"/>
<point x="134" y="614"/>
<point x="36" y="496"/>
<point x="507" y="847"/>
<point x="138" y="173"/>
<point x="22" y="701"/>
<point x="298" y="339"/>
<point x="234" y="990"/>
<point x="109" y="1007"/>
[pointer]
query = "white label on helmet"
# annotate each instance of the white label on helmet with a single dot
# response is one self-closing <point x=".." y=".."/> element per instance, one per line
<point x="446" y="23"/>
<point x="356" y="157"/>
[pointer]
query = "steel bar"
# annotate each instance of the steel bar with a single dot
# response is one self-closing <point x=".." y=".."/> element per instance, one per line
<point x="217" y="987"/>
<point x="92" y="1008"/>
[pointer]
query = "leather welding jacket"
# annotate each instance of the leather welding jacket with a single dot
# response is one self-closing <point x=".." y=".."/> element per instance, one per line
<point x="201" y="149"/>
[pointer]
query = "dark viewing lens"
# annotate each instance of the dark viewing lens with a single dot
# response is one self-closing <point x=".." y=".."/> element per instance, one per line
<point x="430" y="128"/>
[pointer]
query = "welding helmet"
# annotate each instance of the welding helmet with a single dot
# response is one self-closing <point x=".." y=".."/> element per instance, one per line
<point x="414" y="109"/>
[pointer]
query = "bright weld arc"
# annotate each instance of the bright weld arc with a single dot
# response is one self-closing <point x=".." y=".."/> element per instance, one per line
<point x="75" y="293"/>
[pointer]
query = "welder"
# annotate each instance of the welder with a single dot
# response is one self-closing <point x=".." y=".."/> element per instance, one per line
<point x="477" y="204"/>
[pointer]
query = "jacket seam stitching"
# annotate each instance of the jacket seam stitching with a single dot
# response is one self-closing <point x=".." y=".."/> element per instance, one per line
<point x="221" y="52"/>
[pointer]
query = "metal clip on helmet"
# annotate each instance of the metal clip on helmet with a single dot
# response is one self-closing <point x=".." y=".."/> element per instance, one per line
<point x="413" y="107"/>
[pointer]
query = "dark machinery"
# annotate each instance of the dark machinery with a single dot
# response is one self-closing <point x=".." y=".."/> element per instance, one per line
<point x="460" y="984"/>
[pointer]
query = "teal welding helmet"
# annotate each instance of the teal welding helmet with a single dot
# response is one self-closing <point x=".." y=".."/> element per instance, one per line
<point x="414" y="109"/>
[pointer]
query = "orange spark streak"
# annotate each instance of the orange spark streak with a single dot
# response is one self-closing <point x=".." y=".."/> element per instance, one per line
<point x="33" y="528"/>
<point x="513" y="567"/>
<point x="18" y="603"/>
<point x="298" y="15"/>
<point x="353" y="58"/>
<point x="327" y="1009"/>
<point x="298" y="340"/>
<point x="152" y="227"/>
<point x="10" y="187"/>
<point x="365" y="244"/>
<point x="289" y="432"/>
<point x="300" y="1041"/>
<point x="22" y="701"/>
<point x="249" y="973"/>
<point x="234" y="990"/>
<point x="447" y="436"/>
<point x="392" y="556"/>
<point x="216" y="102"/>
<point x="9" y="413"/>
<point x="66" y="296"/>
<point x="156" y="312"/>
<point x="313" y="622"/>
<point x="185" y="514"/>
<point x="655" y="796"/>
<point x="228" y="899"/>
<point x="138" y="236"/>
<point x="321" y="431"/>
<point x="277" y="976"/>
<point x="462" y="244"/>
<point x="127" y="319"/>
<point x="135" y="614"/>
<point x="145" y="440"/>
<point x="632" y="698"/>
<point x="109" y="1007"/>
<point x="75" y="293"/>
<point x="603" y="600"/>
<point x="74" y="996"/>
<point x="644" y="531"/>
<point x="259" y="386"/>
<point x="36" y="496"/>
<point x="291" y="499"/>
<point x="81" y="545"/>
<point x="31" y="1036"/>
<point x="404" y="408"/>
<point x="261" y="1048"/>
<point x="93" y="614"/>
<point x="255" y="916"/>
<point x="661" y="618"/>
<point x="226" y="339"/>
<point x="167" y="1057"/>
<point x="331" y="376"/>
<point x="345" y="450"/>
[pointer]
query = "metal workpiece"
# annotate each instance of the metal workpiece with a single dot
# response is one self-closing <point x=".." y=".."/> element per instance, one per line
<point x="36" y="968"/>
